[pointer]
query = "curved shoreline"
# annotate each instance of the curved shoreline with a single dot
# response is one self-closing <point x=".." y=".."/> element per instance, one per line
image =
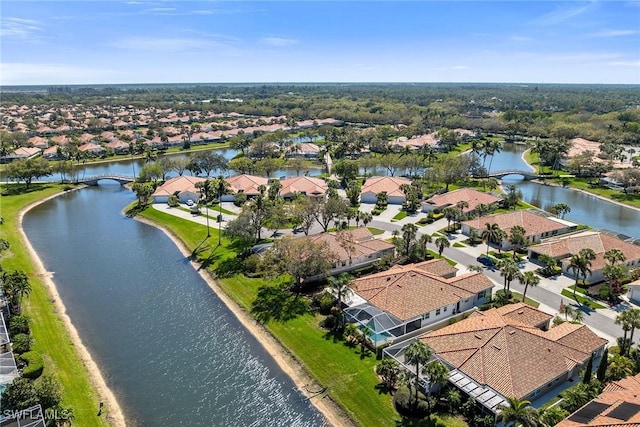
<point x="286" y="361"/>
<point x="115" y="416"/>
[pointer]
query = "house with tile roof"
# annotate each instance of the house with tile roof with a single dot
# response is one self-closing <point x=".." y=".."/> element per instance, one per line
<point x="244" y="183"/>
<point x="406" y="299"/>
<point x="305" y="150"/>
<point x="617" y="405"/>
<point x="384" y="184"/>
<point x="634" y="291"/>
<point x="451" y="198"/>
<point x="21" y="153"/>
<point x="354" y="248"/>
<point x="184" y="187"/>
<point x="537" y="225"/>
<point x="305" y="185"/>
<point x="503" y="352"/>
<point x="563" y="248"/>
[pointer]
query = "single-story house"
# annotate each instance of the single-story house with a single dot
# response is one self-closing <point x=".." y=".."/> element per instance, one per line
<point x="247" y="184"/>
<point x="119" y="147"/>
<point x="52" y="152"/>
<point x="536" y="225"/>
<point x="307" y="150"/>
<point x="503" y="352"/>
<point x="563" y="248"/>
<point x="184" y="187"/>
<point x="91" y="148"/>
<point x="305" y="185"/>
<point x="21" y="153"/>
<point x="451" y="198"/>
<point x="617" y="405"/>
<point x="38" y="142"/>
<point x="355" y="248"/>
<point x="407" y="298"/>
<point x="384" y="184"/>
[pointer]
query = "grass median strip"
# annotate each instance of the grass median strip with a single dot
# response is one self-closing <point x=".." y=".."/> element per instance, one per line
<point x="582" y="300"/>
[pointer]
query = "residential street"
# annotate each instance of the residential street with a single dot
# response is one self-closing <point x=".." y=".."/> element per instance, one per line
<point x="547" y="293"/>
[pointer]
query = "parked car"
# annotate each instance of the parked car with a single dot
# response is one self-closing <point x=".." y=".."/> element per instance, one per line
<point x="486" y="261"/>
<point x="189" y="202"/>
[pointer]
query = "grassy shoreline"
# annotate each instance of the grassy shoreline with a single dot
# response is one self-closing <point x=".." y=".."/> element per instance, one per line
<point x="52" y="338"/>
<point x="349" y="377"/>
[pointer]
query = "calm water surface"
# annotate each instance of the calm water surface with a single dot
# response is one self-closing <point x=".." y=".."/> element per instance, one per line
<point x="170" y="350"/>
<point x="585" y="208"/>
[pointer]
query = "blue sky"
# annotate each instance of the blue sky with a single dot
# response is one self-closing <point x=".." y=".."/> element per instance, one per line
<point x="84" y="42"/>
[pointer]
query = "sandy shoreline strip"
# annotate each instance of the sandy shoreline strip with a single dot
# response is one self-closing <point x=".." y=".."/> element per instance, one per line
<point x="113" y="409"/>
<point x="332" y="413"/>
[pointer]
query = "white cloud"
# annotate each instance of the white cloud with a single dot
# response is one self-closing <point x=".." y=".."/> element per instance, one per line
<point x="562" y="14"/>
<point x="19" y="28"/>
<point x="615" y="33"/>
<point x="278" y="41"/>
<point x="634" y="64"/>
<point x="460" y="67"/>
<point x="14" y="73"/>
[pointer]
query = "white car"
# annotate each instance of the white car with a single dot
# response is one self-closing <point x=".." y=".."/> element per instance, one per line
<point x="189" y="202"/>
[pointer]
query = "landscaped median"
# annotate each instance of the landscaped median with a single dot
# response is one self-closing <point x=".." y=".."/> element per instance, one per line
<point x="52" y="339"/>
<point x="348" y="376"/>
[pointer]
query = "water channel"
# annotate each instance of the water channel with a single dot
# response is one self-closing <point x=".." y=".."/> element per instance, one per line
<point x="170" y="350"/>
<point x="585" y="208"/>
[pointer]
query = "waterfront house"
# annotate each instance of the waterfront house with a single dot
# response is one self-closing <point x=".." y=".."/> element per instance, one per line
<point x="563" y="248"/>
<point x="354" y="248"/>
<point x="305" y="150"/>
<point x="21" y="153"/>
<point x="184" y="187"/>
<point x="384" y="184"/>
<point x="510" y="352"/>
<point x="405" y="299"/>
<point x="118" y="147"/>
<point x="537" y="225"/>
<point x="617" y="405"/>
<point x="244" y="183"/>
<point x="305" y="185"/>
<point x="91" y="148"/>
<point x="451" y="198"/>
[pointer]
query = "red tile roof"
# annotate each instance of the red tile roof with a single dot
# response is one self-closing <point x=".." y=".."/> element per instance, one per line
<point x="469" y="195"/>
<point x="390" y="184"/>
<point x="247" y="184"/>
<point x="533" y="223"/>
<point x="179" y="184"/>
<point x="303" y="184"/>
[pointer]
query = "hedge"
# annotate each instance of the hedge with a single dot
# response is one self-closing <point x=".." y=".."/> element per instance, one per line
<point x="35" y="364"/>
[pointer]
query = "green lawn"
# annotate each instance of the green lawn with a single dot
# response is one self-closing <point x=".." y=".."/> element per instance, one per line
<point x="400" y="215"/>
<point x="350" y="379"/>
<point x="578" y="289"/>
<point x="582" y="300"/>
<point x="518" y="297"/>
<point x="222" y="210"/>
<point x="459" y="245"/>
<point x="51" y="337"/>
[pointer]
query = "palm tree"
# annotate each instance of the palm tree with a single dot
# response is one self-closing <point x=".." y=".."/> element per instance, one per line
<point x="561" y="209"/>
<point x="206" y="197"/>
<point x="450" y="214"/>
<point x="519" y="412"/>
<point x="614" y="255"/>
<point x="619" y="367"/>
<point x="517" y="237"/>
<point x="423" y="240"/>
<point x="366" y="218"/>
<point x="437" y="373"/>
<point x="442" y="243"/>
<point x="340" y="285"/>
<point x="634" y="317"/>
<point x="510" y="270"/>
<point x="528" y="278"/>
<point x="551" y="415"/>
<point x="550" y="263"/>
<point x="492" y="234"/>
<point x="625" y="320"/>
<point x="482" y="209"/>
<point x="580" y="265"/>
<point x="389" y="370"/>
<point x="491" y="148"/>
<point x="220" y="187"/>
<point x="417" y="353"/>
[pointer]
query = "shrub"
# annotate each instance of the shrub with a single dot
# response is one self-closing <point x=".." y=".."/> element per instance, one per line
<point x="240" y="199"/>
<point x="35" y="364"/>
<point x="424" y="220"/>
<point x="452" y="321"/>
<point x="376" y="211"/>
<point x="329" y="322"/>
<point x="251" y="264"/>
<point x="173" y="201"/>
<point x="19" y="325"/>
<point x="436" y="211"/>
<point x="324" y="302"/>
<point x="22" y="343"/>
<point x="404" y="402"/>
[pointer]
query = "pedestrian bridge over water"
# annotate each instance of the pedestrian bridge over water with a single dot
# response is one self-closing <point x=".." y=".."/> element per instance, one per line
<point x="527" y="175"/>
<point x="93" y="180"/>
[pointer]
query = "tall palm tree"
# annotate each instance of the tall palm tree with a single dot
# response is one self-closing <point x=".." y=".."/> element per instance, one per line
<point x="625" y="320"/>
<point x="437" y="373"/>
<point x="492" y="234"/>
<point x="442" y="243"/>
<point x="422" y="244"/>
<point x="418" y="354"/>
<point x="492" y="147"/>
<point x="528" y="278"/>
<point x="519" y="412"/>
<point x="220" y="188"/>
<point x="634" y="317"/>
<point x="510" y="270"/>
<point x="340" y="285"/>
<point x="206" y="188"/>
<point x="580" y="265"/>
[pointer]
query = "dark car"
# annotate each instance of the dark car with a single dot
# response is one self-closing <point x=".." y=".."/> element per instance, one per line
<point x="486" y="260"/>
